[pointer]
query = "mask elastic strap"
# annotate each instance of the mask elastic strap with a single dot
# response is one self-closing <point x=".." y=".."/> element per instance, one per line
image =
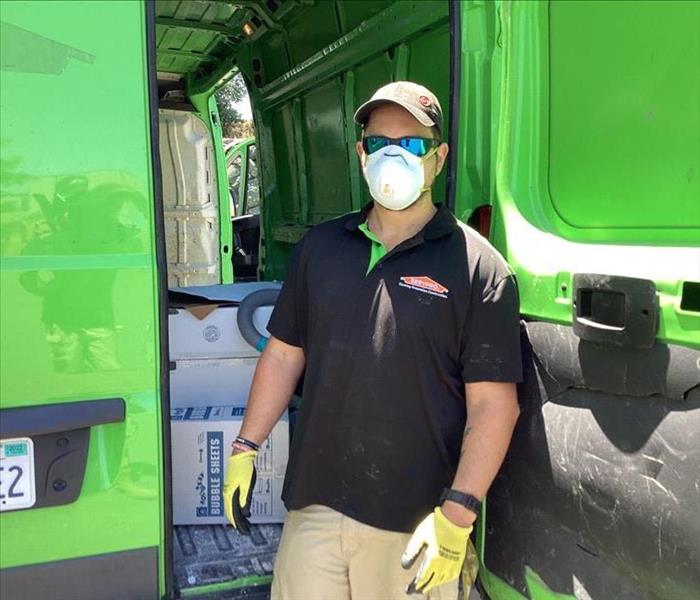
<point x="423" y="159"/>
<point x="429" y="154"/>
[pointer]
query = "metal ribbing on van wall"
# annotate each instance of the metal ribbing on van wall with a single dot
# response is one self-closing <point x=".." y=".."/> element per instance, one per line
<point x="190" y="199"/>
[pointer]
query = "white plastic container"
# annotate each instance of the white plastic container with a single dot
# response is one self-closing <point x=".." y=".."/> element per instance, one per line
<point x="211" y="363"/>
<point x="215" y="335"/>
<point x="212" y="382"/>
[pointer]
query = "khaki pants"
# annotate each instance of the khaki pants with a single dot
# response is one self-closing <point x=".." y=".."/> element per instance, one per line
<point x="324" y="555"/>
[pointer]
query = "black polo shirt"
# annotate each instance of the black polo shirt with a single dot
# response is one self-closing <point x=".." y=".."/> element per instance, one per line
<point x="380" y="427"/>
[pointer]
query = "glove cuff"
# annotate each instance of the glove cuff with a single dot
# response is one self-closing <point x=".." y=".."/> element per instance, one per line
<point x="464" y="531"/>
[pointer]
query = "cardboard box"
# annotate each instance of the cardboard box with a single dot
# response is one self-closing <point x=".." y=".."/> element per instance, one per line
<point x="201" y="444"/>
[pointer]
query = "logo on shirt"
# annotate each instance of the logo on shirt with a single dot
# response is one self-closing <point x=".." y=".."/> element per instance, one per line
<point x="424" y="284"/>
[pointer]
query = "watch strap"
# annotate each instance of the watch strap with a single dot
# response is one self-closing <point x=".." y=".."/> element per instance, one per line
<point x="466" y="500"/>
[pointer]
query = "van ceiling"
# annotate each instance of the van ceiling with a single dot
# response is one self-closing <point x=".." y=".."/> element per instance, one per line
<point x="199" y="39"/>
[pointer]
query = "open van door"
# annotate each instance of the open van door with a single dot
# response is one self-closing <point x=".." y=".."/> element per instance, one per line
<point x="593" y="172"/>
<point x="82" y="481"/>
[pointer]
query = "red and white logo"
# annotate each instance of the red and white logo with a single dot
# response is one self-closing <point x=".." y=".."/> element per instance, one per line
<point x="424" y="284"/>
<point x="424" y="100"/>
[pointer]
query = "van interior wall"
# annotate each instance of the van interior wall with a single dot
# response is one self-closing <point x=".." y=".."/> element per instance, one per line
<point x="190" y="199"/>
<point x="306" y="79"/>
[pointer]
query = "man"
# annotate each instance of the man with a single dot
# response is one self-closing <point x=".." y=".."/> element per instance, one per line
<point x="407" y="324"/>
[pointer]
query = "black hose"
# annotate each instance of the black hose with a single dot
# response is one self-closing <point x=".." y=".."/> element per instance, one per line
<point x="245" y="316"/>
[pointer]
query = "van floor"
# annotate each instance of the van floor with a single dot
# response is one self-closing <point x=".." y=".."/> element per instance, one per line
<point x="216" y="556"/>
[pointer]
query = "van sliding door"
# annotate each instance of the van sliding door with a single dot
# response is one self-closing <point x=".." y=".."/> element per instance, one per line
<point x="80" y="423"/>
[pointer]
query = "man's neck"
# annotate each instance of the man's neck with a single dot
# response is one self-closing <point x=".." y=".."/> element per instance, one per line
<point x="394" y="226"/>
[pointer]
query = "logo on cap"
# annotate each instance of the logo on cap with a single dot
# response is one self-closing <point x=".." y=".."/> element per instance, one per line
<point x="424" y="100"/>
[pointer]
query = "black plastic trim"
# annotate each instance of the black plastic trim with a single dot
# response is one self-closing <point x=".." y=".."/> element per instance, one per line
<point x="162" y="270"/>
<point x="605" y="434"/>
<point x="117" y="575"/>
<point x="615" y="310"/>
<point x="63" y="416"/>
<point x="568" y="362"/>
<point x="455" y="83"/>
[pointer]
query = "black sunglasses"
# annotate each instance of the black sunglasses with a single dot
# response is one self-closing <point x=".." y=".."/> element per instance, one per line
<point x="417" y="146"/>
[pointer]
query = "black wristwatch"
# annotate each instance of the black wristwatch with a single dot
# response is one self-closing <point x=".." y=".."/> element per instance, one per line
<point x="466" y="500"/>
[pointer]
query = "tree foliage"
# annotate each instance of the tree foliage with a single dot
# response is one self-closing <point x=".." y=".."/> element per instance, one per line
<point x="227" y="98"/>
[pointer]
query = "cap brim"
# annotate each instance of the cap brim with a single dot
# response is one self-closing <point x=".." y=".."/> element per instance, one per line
<point x="362" y="113"/>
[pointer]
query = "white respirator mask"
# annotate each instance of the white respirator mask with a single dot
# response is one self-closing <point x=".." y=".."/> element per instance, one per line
<point x="395" y="176"/>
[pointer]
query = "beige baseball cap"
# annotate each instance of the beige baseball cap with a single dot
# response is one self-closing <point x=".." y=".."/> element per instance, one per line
<point x="415" y="98"/>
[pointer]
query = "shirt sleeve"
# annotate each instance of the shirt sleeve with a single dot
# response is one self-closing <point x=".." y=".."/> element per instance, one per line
<point x="285" y="322"/>
<point x="491" y="336"/>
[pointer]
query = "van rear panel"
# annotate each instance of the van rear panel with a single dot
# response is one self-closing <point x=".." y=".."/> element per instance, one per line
<point x="597" y="208"/>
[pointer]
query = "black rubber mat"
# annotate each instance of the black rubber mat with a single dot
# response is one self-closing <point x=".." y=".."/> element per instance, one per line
<point x="211" y="554"/>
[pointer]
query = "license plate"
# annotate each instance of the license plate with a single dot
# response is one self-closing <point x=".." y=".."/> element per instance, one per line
<point x="17" y="474"/>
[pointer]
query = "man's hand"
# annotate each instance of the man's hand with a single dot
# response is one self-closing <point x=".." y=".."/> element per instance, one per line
<point x="445" y="548"/>
<point x="238" y="489"/>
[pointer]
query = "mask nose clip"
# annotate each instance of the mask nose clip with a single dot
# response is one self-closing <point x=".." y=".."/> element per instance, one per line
<point x="398" y="155"/>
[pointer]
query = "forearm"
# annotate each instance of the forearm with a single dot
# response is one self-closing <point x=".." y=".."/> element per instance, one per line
<point x="276" y="375"/>
<point x="486" y="439"/>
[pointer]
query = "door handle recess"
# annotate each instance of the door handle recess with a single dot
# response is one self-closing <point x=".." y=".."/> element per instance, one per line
<point x="621" y="311"/>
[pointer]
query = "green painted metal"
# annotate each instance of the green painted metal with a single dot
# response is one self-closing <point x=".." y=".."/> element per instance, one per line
<point x="240" y="151"/>
<point x="258" y="9"/>
<point x="401" y="65"/>
<point x="300" y="161"/>
<point x="79" y="313"/>
<point x="618" y="108"/>
<point x="196" y="56"/>
<point x="350" y="140"/>
<point x="289" y="234"/>
<point x="303" y="111"/>
<point x="208" y="29"/>
<point x="233" y="584"/>
<point x="396" y="23"/>
<point x="539" y="590"/>
<point x="205" y="105"/>
<point x="199" y="26"/>
<point x="477" y="126"/>
<point x="618" y="115"/>
<point x="545" y="250"/>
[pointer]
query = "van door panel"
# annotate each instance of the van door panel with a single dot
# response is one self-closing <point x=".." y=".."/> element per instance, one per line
<point x="78" y="279"/>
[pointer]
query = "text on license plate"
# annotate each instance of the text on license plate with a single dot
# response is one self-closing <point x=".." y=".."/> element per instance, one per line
<point x="17" y="474"/>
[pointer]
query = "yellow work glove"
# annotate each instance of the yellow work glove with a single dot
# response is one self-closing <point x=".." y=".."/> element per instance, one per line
<point x="238" y="489"/>
<point x="445" y="548"/>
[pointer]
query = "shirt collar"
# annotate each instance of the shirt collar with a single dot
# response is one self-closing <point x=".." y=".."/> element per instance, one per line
<point x="441" y="224"/>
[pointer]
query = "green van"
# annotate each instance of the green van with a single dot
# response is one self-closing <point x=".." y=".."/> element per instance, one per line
<point x="244" y="188"/>
<point x="575" y="136"/>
